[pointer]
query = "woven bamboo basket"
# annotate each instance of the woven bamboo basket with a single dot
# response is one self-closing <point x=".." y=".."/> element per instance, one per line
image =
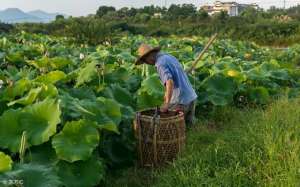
<point x="160" y="138"/>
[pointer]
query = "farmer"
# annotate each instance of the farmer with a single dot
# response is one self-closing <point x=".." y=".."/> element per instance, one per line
<point x="179" y="94"/>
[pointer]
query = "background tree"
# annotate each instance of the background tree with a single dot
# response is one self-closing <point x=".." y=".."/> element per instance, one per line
<point x="271" y="27"/>
<point x="59" y="17"/>
<point x="181" y="11"/>
<point x="5" y="27"/>
<point x="102" y="10"/>
<point x="202" y="14"/>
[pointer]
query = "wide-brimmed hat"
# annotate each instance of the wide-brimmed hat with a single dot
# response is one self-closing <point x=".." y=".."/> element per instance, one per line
<point x="143" y="51"/>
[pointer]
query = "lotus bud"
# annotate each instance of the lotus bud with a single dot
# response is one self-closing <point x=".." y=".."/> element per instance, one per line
<point x="81" y="56"/>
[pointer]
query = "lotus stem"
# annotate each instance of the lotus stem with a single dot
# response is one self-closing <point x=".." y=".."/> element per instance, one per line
<point x="22" y="147"/>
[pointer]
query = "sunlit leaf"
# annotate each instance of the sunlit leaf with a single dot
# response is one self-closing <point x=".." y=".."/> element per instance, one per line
<point x="51" y="77"/>
<point x="28" y="99"/>
<point x="86" y="74"/>
<point x="5" y="163"/>
<point x="17" y="89"/>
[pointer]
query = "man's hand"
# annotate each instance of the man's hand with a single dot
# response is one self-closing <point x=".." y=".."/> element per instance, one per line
<point x="165" y="108"/>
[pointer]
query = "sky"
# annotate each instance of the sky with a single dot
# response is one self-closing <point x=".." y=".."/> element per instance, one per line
<point x="85" y="7"/>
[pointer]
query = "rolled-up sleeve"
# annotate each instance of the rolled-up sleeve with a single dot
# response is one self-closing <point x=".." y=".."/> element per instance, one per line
<point x="164" y="74"/>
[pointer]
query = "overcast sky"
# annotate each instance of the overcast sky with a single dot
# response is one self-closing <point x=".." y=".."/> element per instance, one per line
<point x="84" y="7"/>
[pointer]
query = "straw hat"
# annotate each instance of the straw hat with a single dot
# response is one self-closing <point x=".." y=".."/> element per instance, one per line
<point x="143" y="51"/>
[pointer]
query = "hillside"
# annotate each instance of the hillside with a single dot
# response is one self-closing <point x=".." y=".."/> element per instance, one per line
<point x="15" y="15"/>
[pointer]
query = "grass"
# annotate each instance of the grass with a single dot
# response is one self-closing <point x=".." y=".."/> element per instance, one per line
<point x="234" y="147"/>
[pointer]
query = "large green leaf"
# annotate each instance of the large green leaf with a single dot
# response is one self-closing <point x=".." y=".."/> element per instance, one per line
<point x="102" y="111"/>
<point x="60" y="62"/>
<point x="236" y="75"/>
<point x="126" y="57"/>
<point x="68" y="106"/>
<point x="219" y="89"/>
<point x="86" y="74"/>
<point x="103" y="53"/>
<point x="51" y="78"/>
<point x="220" y="99"/>
<point x="81" y="173"/>
<point x="40" y="63"/>
<point x="38" y="120"/>
<point x="124" y="98"/>
<point x="16" y="57"/>
<point x="17" y="89"/>
<point x="47" y="111"/>
<point x="28" y="99"/>
<point x="82" y="93"/>
<point x="53" y="63"/>
<point x="281" y="74"/>
<point x="269" y="66"/>
<point x="151" y="93"/>
<point x="10" y="135"/>
<point x="259" y="95"/>
<point x="48" y="91"/>
<point x="3" y="107"/>
<point x="32" y="175"/>
<point x="256" y="74"/>
<point x="146" y="101"/>
<point x="119" y="94"/>
<point x="225" y="64"/>
<point x="293" y="92"/>
<point x="119" y="75"/>
<point x="5" y="163"/>
<point x="43" y="154"/>
<point x="220" y="84"/>
<point x="76" y="141"/>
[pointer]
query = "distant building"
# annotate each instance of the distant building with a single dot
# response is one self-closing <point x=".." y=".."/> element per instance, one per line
<point x="283" y="18"/>
<point x="158" y="15"/>
<point x="232" y="8"/>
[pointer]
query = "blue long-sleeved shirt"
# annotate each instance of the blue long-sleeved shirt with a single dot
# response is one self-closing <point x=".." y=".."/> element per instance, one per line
<point x="168" y="68"/>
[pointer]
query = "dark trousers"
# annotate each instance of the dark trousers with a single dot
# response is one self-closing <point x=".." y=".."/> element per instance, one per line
<point x="188" y="110"/>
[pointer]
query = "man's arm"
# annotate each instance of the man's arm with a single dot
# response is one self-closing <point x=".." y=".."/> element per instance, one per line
<point x="169" y="91"/>
<point x="168" y="95"/>
<point x="167" y="80"/>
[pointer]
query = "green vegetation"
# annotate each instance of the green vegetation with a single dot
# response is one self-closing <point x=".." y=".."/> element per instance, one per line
<point x="69" y="91"/>
<point x="276" y="27"/>
<point x="66" y="109"/>
<point x="233" y="147"/>
<point x="5" y="28"/>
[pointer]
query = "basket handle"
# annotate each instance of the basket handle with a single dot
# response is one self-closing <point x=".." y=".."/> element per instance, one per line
<point x="139" y="126"/>
<point x="156" y="120"/>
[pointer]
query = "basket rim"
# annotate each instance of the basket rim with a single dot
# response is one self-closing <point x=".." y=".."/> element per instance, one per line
<point x="179" y="115"/>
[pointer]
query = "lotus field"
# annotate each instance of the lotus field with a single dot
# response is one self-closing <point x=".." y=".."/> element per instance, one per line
<point x="66" y="110"/>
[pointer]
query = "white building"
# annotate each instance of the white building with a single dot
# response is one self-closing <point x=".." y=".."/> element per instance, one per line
<point x="232" y="8"/>
<point x="157" y="15"/>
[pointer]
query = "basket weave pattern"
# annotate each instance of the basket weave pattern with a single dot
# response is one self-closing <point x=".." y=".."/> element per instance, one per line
<point x="159" y="139"/>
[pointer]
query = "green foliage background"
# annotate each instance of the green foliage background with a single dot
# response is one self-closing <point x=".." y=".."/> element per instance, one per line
<point x="275" y="26"/>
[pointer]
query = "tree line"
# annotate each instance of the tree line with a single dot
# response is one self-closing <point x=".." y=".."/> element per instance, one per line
<point x="267" y="27"/>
